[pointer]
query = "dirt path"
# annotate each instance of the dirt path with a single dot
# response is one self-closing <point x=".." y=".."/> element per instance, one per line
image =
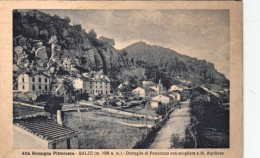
<point x="177" y="123"/>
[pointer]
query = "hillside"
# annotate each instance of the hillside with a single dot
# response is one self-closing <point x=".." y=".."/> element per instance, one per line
<point x="50" y="44"/>
<point x="174" y="66"/>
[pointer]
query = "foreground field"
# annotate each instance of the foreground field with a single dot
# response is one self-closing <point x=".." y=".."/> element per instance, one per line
<point x="100" y="131"/>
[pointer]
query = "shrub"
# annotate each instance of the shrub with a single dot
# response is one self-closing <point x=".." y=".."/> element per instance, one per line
<point x="176" y="141"/>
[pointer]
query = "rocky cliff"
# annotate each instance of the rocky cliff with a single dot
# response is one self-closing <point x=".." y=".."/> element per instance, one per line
<point x="51" y="44"/>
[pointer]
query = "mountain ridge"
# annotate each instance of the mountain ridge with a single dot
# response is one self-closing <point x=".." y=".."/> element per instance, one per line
<point x="186" y="67"/>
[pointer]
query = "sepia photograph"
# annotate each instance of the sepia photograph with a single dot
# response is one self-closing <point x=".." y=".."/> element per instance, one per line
<point x="121" y="79"/>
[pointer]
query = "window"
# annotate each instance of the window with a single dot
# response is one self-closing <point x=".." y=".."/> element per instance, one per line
<point x="22" y="79"/>
<point x="96" y="86"/>
<point x="54" y="145"/>
<point x="96" y="90"/>
<point x="40" y="87"/>
<point x="96" y="82"/>
<point x="100" y="86"/>
<point x="40" y="80"/>
<point x="23" y="86"/>
<point x="33" y="79"/>
<point x="68" y="143"/>
<point x="46" y="88"/>
<point x="106" y="92"/>
<point x="106" y="83"/>
<point x="85" y="91"/>
<point x="33" y="88"/>
<point x="90" y="86"/>
<point x="46" y="80"/>
<point x="93" y="91"/>
<point x="101" y="91"/>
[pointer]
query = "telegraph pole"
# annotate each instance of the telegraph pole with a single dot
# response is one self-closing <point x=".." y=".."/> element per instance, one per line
<point x="146" y="128"/>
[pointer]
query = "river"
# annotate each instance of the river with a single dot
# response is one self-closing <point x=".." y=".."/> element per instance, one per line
<point x="176" y="124"/>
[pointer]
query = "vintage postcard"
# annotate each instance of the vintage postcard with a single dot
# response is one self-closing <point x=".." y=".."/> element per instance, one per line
<point x="121" y="79"/>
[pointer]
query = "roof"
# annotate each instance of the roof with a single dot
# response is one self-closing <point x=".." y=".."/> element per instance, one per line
<point x="160" y="96"/>
<point x="173" y="96"/>
<point x="209" y="91"/>
<point x="145" y="88"/>
<point x="44" y="128"/>
<point x="148" y="83"/>
<point x="175" y="88"/>
<point x="35" y="73"/>
<point x="154" y="88"/>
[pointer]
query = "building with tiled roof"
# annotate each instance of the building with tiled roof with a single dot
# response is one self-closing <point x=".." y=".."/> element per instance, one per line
<point x="40" y="132"/>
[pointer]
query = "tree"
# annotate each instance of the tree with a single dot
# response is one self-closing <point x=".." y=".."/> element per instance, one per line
<point x="67" y="19"/>
<point x="108" y="41"/>
<point x="162" y="109"/>
<point x="92" y="34"/>
<point x="124" y="53"/>
<point x="52" y="105"/>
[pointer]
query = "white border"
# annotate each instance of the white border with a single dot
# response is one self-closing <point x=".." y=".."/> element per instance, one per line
<point x="251" y="77"/>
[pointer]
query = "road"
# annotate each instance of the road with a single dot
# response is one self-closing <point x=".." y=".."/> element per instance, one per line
<point x="176" y="124"/>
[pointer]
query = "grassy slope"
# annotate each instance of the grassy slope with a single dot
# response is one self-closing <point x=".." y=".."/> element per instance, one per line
<point x="97" y="132"/>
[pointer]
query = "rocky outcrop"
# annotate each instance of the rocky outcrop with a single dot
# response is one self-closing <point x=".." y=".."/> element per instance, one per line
<point x="49" y="43"/>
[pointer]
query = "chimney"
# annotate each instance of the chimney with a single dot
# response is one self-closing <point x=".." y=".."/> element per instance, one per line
<point x="59" y="119"/>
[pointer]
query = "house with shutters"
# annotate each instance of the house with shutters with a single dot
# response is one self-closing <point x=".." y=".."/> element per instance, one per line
<point x="34" y="82"/>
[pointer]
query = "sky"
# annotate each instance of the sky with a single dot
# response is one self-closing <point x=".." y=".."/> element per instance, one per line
<point x="203" y="34"/>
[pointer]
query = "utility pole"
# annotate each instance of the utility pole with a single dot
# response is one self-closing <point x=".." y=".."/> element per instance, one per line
<point x="146" y="129"/>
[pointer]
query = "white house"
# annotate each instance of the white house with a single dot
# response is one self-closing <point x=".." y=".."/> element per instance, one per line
<point x="39" y="83"/>
<point x="144" y="92"/>
<point x="96" y="85"/>
<point x="161" y="99"/>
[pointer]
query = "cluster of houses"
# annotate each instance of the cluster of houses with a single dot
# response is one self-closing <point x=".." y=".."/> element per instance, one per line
<point x="157" y="93"/>
<point x="101" y="85"/>
<point x="39" y="84"/>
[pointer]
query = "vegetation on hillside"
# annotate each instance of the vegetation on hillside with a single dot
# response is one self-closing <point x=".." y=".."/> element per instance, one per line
<point x="209" y="121"/>
<point x="171" y="67"/>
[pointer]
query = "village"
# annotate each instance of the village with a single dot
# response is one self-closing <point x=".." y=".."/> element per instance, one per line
<point x="73" y="89"/>
<point x="91" y="113"/>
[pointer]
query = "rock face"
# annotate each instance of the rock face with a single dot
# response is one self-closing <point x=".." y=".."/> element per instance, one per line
<point x="43" y="42"/>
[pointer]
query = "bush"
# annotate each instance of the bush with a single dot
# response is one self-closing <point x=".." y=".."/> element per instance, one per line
<point x="176" y="141"/>
<point x="162" y="109"/>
